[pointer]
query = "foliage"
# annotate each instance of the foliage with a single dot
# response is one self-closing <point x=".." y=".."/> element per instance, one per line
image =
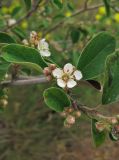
<point x="88" y="50"/>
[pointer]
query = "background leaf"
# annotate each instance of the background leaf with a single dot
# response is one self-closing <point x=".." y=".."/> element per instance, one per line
<point x="3" y="69"/>
<point x="20" y="54"/>
<point x="28" y="4"/>
<point x="98" y="137"/>
<point x="56" y="99"/>
<point x="58" y="3"/>
<point x="107" y="6"/>
<point x="111" y="84"/>
<point x="75" y="35"/>
<point x="92" y="59"/>
<point x="6" y="38"/>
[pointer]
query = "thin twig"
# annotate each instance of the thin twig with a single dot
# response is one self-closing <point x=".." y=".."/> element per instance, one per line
<point x="24" y="81"/>
<point x="91" y="112"/>
<point x="85" y="9"/>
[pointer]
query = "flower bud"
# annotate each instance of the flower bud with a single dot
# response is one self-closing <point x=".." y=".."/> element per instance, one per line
<point x="47" y="71"/>
<point x="70" y="119"/>
<point x="100" y="126"/>
<point x="4" y="102"/>
<point x="68" y="110"/>
<point x="78" y="114"/>
<point x="52" y="66"/>
<point x="114" y="120"/>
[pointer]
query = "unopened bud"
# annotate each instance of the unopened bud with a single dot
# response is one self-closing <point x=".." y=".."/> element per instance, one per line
<point x="114" y="120"/>
<point x="78" y="114"/>
<point x="34" y="38"/>
<point x="68" y="110"/>
<point x="4" y="102"/>
<point x="100" y="126"/>
<point x="52" y="66"/>
<point x="33" y="34"/>
<point x="46" y="71"/>
<point x="70" y="119"/>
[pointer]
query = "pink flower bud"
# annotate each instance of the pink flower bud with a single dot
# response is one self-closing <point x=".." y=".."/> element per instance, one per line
<point x="52" y="66"/>
<point x="114" y="120"/>
<point x="70" y="119"/>
<point x="69" y="110"/>
<point x="78" y="114"/>
<point x="47" y="71"/>
<point x="100" y="126"/>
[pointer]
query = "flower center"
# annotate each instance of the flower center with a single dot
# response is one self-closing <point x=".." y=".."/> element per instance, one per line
<point x="65" y="77"/>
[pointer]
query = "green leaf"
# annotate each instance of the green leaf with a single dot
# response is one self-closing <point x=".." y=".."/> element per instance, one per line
<point x="15" y="11"/>
<point x="111" y="84"/>
<point x="58" y="3"/>
<point x="98" y="137"/>
<point x="56" y="99"/>
<point x="28" y="4"/>
<point x="92" y="59"/>
<point x="23" y="55"/>
<point x="113" y="137"/>
<point x="6" y="38"/>
<point x="3" y="69"/>
<point x="75" y="34"/>
<point x="107" y="6"/>
<point x="19" y="32"/>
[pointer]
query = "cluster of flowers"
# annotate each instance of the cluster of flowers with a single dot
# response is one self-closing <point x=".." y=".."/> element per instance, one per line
<point x="36" y="42"/>
<point x="70" y="116"/>
<point x="66" y="77"/>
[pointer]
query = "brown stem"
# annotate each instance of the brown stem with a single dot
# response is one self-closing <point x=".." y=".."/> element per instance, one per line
<point x="91" y="112"/>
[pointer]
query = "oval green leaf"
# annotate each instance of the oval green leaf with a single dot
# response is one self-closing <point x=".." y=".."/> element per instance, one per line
<point x="92" y="59"/>
<point x="111" y="84"/>
<point x="28" y="4"/>
<point x="23" y="55"/>
<point x="6" y="38"/>
<point x="56" y="99"/>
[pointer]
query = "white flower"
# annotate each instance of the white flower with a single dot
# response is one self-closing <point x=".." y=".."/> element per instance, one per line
<point x="67" y="77"/>
<point x="11" y="22"/>
<point x="43" y="47"/>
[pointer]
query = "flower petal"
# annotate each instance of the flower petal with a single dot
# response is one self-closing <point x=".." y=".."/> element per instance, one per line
<point x="61" y="83"/>
<point x="78" y="75"/>
<point x="57" y="73"/>
<point x="71" y="83"/>
<point x="68" y="68"/>
<point x="43" y="44"/>
<point x="45" y="53"/>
